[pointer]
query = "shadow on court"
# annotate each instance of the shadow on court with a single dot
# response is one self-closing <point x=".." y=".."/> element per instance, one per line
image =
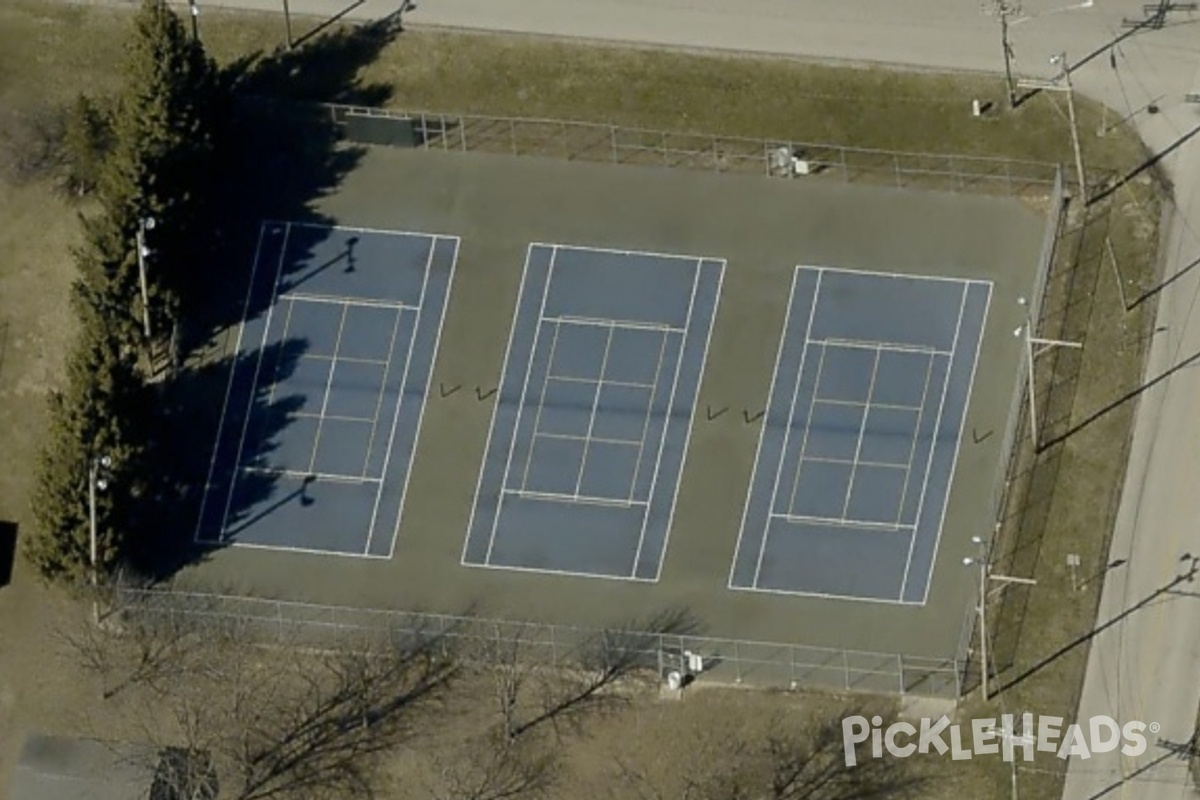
<point x="272" y="160"/>
<point x="191" y="407"/>
<point x="274" y="157"/>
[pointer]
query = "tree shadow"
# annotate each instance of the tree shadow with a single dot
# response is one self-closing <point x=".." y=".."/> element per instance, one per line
<point x="188" y="473"/>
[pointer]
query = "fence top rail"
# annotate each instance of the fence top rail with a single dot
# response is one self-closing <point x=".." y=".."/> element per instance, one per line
<point x="766" y="141"/>
<point x="342" y="616"/>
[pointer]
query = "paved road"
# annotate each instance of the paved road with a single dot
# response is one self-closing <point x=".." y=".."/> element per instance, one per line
<point x="1147" y="665"/>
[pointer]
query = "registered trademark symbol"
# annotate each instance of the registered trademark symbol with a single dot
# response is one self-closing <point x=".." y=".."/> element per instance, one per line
<point x="1155" y="727"/>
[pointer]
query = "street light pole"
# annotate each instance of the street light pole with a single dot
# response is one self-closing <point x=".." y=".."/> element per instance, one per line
<point x="144" y="224"/>
<point x="195" y="12"/>
<point x="287" y="21"/>
<point x="985" y="577"/>
<point x="1066" y="67"/>
<point x="96" y="482"/>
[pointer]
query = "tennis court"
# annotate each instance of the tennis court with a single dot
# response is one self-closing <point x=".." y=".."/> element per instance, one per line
<point x="854" y="465"/>
<point x="593" y="414"/>
<point x="327" y="389"/>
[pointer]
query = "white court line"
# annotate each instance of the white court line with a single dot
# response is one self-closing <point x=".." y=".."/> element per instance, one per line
<point x="344" y="300"/>
<point x="384" y="231"/>
<point x="812" y="313"/>
<point x="561" y="573"/>
<point x="582" y="248"/>
<point x="573" y="499"/>
<point x="890" y="347"/>
<point x="437" y="343"/>
<point x="641" y="444"/>
<point x="387" y="371"/>
<point x="624" y="384"/>
<point x="957" y="444"/>
<point x="897" y="275"/>
<point x="662" y="437"/>
<point x="933" y="447"/>
<point x="387" y="454"/>
<point x="687" y="439"/>
<point x="287" y="324"/>
<point x="762" y="433"/>
<point x="841" y="522"/>
<point x="237" y="461"/>
<point x="601" y="439"/>
<point x="537" y="417"/>
<point x="627" y="324"/>
<point x="595" y="406"/>
<point x="862" y="429"/>
<point x="237" y="349"/>
<point x="825" y="596"/>
<point x="848" y="462"/>
<point x="912" y="451"/>
<point x="334" y="417"/>
<point x="512" y="442"/>
<point x="375" y="362"/>
<point x="512" y="333"/>
<point x="824" y="401"/>
<point x="337" y="345"/>
<point x="319" y="477"/>
<point x="800" y="458"/>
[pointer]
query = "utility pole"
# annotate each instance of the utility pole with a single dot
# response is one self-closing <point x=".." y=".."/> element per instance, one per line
<point x="144" y="224"/>
<point x="287" y="21"/>
<point x="985" y="576"/>
<point x="1069" y="88"/>
<point x="1004" y="9"/>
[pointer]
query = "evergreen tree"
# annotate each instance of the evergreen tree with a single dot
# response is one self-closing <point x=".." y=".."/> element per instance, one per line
<point x="159" y="167"/>
<point x="98" y="413"/>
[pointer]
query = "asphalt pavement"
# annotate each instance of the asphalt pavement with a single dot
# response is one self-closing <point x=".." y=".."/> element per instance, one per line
<point x="1146" y="665"/>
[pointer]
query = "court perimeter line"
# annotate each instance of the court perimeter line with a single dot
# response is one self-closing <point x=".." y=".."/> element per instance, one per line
<point x="512" y="441"/>
<point x="762" y="434"/>
<point x="387" y="454"/>
<point x="958" y="443"/>
<point x="384" y="231"/>
<point x="858" y="598"/>
<point x="237" y="461"/>
<point x="937" y="426"/>
<point x="437" y="342"/>
<point x="387" y="372"/>
<point x="912" y="450"/>
<point x="662" y="440"/>
<point x="557" y="572"/>
<point x="237" y="349"/>
<point x="312" y="551"/>
<point x="812" y="315"/>
<point x="687" y="439"/>
<point x="582" y="248"/>
<point x="898" y="275"/>
<point x="512" y="333"/>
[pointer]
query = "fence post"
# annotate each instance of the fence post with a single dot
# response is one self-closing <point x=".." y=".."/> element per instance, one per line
<point x="512" y="135"/>
<point x="896" y="168"/>
<point x="612" y="135"/>
<point x="845" y="166"/>
<point x="562" y="139"/>
<point x="900" y="671"/>
<point x="846" y="669"/>
<point x="737" y="662"/>
<point x="662" y="147"/>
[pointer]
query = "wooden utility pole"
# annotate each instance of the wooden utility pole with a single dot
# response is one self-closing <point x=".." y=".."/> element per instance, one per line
<point x="1065" y="86"/>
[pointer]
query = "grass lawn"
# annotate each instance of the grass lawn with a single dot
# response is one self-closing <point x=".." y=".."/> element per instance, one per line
<point x="48" y="52"/>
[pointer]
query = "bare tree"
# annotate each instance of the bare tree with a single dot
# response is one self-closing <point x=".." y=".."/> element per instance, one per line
<point x="493" y="767"/>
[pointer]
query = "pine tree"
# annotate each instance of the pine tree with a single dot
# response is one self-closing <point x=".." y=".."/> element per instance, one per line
<point x="98" y="413"/>
<point x="162" y="143"/>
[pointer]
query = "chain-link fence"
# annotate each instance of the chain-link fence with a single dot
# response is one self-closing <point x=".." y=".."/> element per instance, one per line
<point x="731" y="661"/>
<point x="617" y="144"/>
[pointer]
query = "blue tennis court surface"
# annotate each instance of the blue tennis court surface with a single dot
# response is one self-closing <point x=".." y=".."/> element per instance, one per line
<point x="327" y="389"/>
<point x="861" y="432"/>
<point x="593" y="413"/>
